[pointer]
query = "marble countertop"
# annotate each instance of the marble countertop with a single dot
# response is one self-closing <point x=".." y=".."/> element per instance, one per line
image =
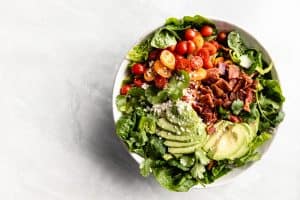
<point x="58" y="59"/>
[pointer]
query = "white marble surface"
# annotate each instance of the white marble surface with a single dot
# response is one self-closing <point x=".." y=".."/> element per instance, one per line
<point x="57" y="63"/>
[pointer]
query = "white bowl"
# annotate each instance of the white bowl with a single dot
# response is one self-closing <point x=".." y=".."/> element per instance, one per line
<point x="250" y="41"/>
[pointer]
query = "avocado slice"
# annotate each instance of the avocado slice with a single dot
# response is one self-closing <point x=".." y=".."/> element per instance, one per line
<point x="169" y="143"/>
<point x="183" y="150"/>
<point x="186" y="120"/>
<point x="164" y="124"/>
<point x="220" y="130"/>
<point x="230" y="143"/>
<point x="170" y="136"/>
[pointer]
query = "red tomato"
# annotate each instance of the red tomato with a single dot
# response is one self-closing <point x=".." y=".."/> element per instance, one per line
<point x="191" y="47"/>
<point x="160" y="82"/>
<point x="215" y="43"/>
<point x="196" y="62"/>
<point x="172" y="48"/>
<point x="222" y="36"/>
<point x="204" y="54"/>
<point x="124" y="89"/>
<point x="181" y="48"/>
<point x="210" y="47"/>
<point x="208" y="64"/>
<point x="138" y="69"/>
<point x="153" y="55"/>
<point x="189" y="34"/>
<point x="138" y="82"/>
<point x="183" y="64"/>
<point x="206" y="31"/>
<point x="178" y="57"/>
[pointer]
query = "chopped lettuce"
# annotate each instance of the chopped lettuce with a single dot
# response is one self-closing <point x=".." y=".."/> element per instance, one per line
<point x="139" y="52"/>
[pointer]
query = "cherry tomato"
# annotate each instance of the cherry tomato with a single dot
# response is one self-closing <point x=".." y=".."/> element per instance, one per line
<point x="178" y="57"/>
<point x="181" y="48"/>
<point x="206" y="31"/>
<point x="149" y="75"/>
<point x="138" y="69"/>
<point x="160" y="82"/>
<point x="191" y="47"/>
<point x="222" y="36"/>
<point x="138" y="82"/>
<point x="161" y="69"/>
<point x="124" y="89"/>
<point x="199" y="41"/>
<point x="211" y="48"/>
<point x="196" y="62"/>
<point x="208" y="64"/>
<point x="172" y="48"/>
<point x="198" y="75"/>
<point x="215" y="43"/>
<point x="189" y="34"/>
<point x="153" y="55"/>
<point x="168" y="59"/>
<point x="183" y="64"/>
<point x="204" y="54"/>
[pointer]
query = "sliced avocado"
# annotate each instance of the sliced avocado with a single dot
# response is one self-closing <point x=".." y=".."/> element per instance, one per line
<point x="254" y="126"/>
<point x="183" y="150"/>
<point x="170" y="136"/>
<point x="230" y="142"/>
<point x="242" y="151"/>
<point x="188" y="119"/>
<point x="169" y="143"/>
<point x="164" y="124"/>
<point x="220" y="130"/>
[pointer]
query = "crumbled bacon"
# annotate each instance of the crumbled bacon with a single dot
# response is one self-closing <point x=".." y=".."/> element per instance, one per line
<point x="234" y="118"/>
<point x="217" y="91"/>
<point x="206" y="99"/>
<point x="248" y="100"/>
<point x="233" y="71"/>
<point x="224" y="85"/>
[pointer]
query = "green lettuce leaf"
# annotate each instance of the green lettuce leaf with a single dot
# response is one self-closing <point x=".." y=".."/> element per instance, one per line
<point x="237" y="106"/>
<point x="139" y="52"/>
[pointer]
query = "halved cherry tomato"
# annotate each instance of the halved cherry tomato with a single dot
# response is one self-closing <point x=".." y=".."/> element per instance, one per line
<point x="172" y="48"/>
<point x="204" y="54"/>
<point x="138" y="69"/>
<point x="189" y="34"/>
<point x="160" y="82"/>
<point x="208" y="64"/>
<point x="196" y="62"/>
<point x="161" y="69"/>
<point x="149" y="75"/>
<point x="124" y="89"/>
<point x="215" y="43"/>
<point x="191" y="47"/>
<point x="181" y="48"/>
<point x="168" y="59"/>
<point x="206" y="31"/>
<point x="183" y="64"/>
<point x="199" y="41"/>
<point x="198" y="75"/>
<point x="138" y="82"/>
<point x="211" y="48"/>
<point x="153" y="55"/>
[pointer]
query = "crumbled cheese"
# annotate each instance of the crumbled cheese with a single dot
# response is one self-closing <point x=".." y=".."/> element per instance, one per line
<point x="145" y="86"/>
<point x="159" y="108"/>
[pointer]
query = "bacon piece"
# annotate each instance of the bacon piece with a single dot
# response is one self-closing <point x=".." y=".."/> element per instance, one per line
<point x="222" y="68"/>
<point x="208" y="116"/>
<point x="212" y="75"/>
<point x="233" y="72"/>
<point x="217" y="91"/>
<point x="224" y="85"/>
<point x="248" y="100"/>
<point x="206" y="99"/>
<point x="239" y="85"/>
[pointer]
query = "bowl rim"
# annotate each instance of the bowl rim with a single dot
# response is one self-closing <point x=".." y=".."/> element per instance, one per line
<point x="265" y="54"/>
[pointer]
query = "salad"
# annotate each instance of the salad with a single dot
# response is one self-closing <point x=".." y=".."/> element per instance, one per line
<point x="196" y="103"/>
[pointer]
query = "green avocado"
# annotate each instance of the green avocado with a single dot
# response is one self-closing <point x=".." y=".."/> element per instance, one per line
<point x="169" y="143"/>
<point x="170" y="136"/>
<point x="230" y="142"/>
<point x="214" y="138"/>
<point x="183" y="150"/>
